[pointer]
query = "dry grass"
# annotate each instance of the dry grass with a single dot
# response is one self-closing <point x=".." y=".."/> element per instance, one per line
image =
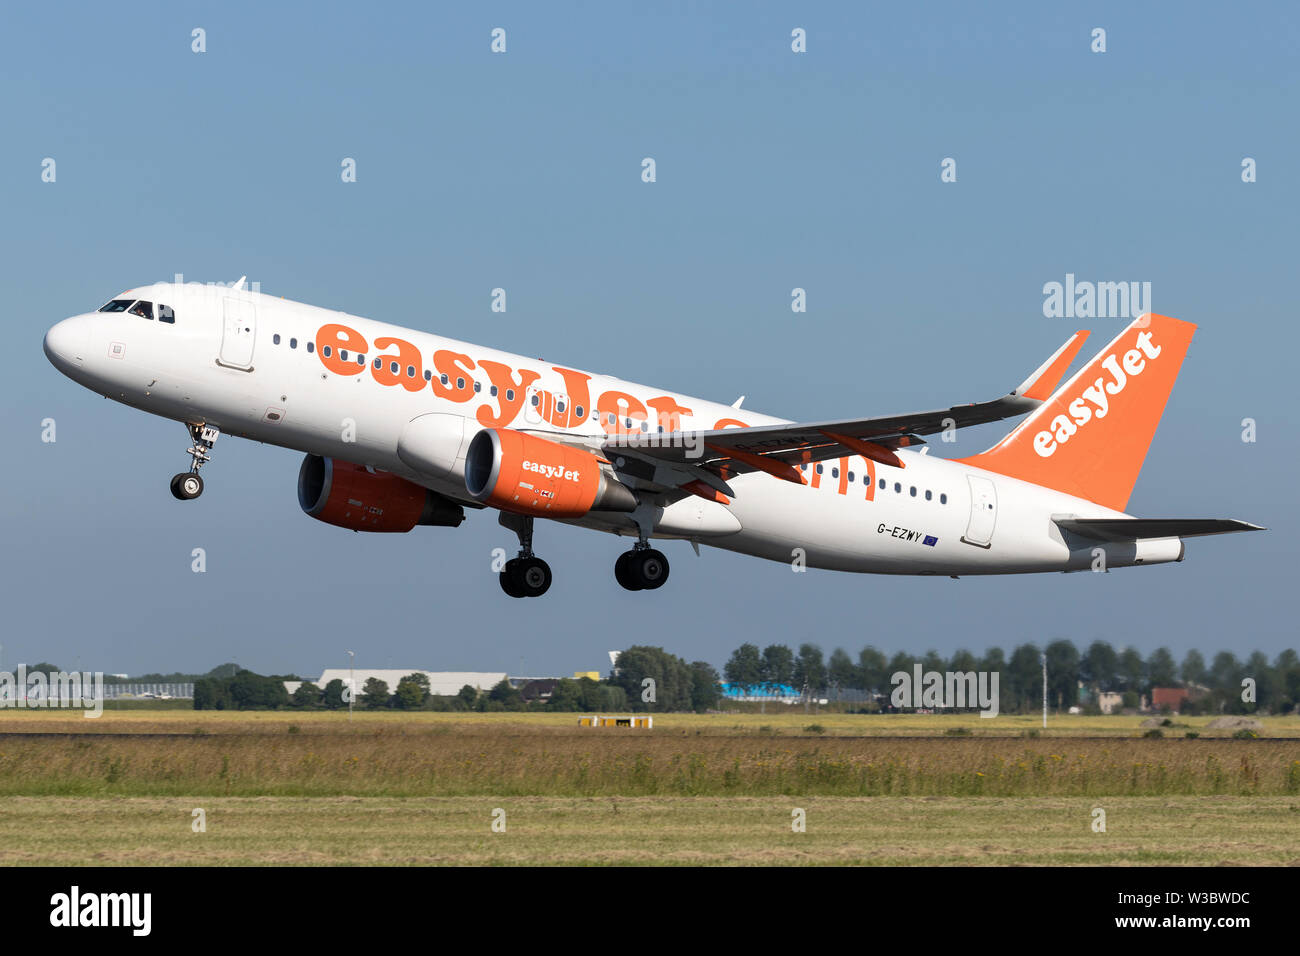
<point x="468" y="758"/>
<point x="748" y="831"/>
<point x="785" y="721"/>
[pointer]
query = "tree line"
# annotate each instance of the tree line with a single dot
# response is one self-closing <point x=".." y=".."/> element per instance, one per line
<point x="1216" y="686"/>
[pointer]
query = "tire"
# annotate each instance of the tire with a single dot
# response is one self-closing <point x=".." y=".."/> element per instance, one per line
<point x="622" y="574"/>
<point x="187" y="485"/>
<point x="649" y="568"/>
<point x="507" y="579"/>
<point x="531" y="577"/>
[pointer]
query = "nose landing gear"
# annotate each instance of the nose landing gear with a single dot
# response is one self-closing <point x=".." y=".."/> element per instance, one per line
<point x="526" y="575"/>
<point x="188" y="485"/>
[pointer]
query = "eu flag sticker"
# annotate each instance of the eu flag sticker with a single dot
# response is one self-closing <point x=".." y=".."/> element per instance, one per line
<point x="930" y="540"/>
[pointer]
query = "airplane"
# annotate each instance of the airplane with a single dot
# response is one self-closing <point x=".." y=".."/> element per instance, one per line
<point x="402" y="428"/>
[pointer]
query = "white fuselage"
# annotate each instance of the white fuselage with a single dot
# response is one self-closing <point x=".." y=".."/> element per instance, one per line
<point x="241" y="361"/>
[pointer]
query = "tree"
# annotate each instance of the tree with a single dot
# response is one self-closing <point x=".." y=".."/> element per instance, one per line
<point x="840" y="670"/>
<point x="1024" y="678"/>
<point x="411" y="695"/>
<point x="1100" y="666"/>
<point x="1062" y="673"/>
<point x="504" y="693"/>
<point x="745" y="666"/>
<point x="873" y="669"/>
<point x="1193" y="669"/>
<point x="777" y="665"/>
<point x="468" y="696"/>
<point x="1132" y="669"/>
<point x="374" y="693"/>
<point x="670" y="676"/>
<point x="963" y="662"/>
<point x="307" y="695"/>
<point x="704" y="687"/>
<point x="810" y="668"/>
<point x="333" y="697"/>
<point x="210" y="694"/>
<point x="251" y="691"/>
<point x="1161" y="669"/>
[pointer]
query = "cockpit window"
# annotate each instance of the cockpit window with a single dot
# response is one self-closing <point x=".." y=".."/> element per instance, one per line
<point x="117" y="305"/>
<point x="165" y="314"/>
<point x="143" y="309"/>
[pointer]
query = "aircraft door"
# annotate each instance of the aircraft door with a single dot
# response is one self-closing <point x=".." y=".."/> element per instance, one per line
<point x="238" y="334"/>
<point x="983" y="511"/>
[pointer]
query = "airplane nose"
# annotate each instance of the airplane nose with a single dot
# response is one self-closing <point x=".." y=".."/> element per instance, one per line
<point x="65" y="343"/>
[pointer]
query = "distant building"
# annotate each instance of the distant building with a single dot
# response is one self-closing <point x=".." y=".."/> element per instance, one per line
<point x="770" y="692"/>
<point x="540" y="689"/>
<point x="592" y="675"/>
<point x="1109" y="702"/>
<point x="441" y="683"/>
<point x="1172" y="698"/>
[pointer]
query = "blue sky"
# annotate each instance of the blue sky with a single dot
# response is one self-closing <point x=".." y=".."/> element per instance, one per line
<point x="522" y="170"/>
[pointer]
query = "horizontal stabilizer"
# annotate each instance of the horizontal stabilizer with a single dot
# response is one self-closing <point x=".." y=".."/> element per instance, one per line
<point x="1131" y="529"/>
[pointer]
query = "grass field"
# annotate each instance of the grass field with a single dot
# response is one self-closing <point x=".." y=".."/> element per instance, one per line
<point x="312" y="788"/>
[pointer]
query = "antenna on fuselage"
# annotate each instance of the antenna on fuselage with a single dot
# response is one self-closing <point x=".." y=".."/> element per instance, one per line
<point x="240" y="284"/>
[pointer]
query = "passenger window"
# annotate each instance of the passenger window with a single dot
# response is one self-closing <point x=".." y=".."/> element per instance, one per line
<point x="275" y="339"/>
<point x="361" y="360"/>
<point x="428" y="375"/>
<point x="343" y="354"/>
<point x="913" y="491"/>
<point x="850" y="477"/>
<point x="882" y="484"/>
<point x="326" y="350"/>
<point x="293" y="343"/>
<point x="143" y="309"/>
<point x="444" y="378"/>
<point x="927" y="494"/>
<point x="577" y="411"/>
<point x="393" y="367"/>
<point x="311" y="346"/>
<point x="898" y="487"/>
<point x="943" y="499"/>
<point x="493" y="391"/>
<point x="835" y="472"/>
<point x="165" y="314"/>
<point x="819" y="469"/>
<point x="379" y="363"/>
<point x="510" y="394"/>
<point x="477" y="388"/>
<point x="410" y="371"/>
<point x="460" y="384"/>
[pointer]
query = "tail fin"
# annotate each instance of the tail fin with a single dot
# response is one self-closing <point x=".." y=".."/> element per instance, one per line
<point x="1090" y="438"/>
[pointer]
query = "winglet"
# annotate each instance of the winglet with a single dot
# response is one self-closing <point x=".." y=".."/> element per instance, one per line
<point x="1043" y="382"/>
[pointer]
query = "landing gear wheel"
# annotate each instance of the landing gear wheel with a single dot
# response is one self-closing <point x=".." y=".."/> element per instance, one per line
<point x="531" y="577"/>
<point x="621" y="573"/>
<point x="648" y="568"/>
<point x="187" y="485"/>
<point x="507" y="579"/>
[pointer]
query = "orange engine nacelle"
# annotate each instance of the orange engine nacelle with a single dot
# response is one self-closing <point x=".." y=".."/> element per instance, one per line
<point x="528" y="475"/>
<point x="361" y="499"/>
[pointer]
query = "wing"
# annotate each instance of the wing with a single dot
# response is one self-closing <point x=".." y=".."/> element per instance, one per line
<point x="707" y="456"/>
<point x="1131" y="529"/>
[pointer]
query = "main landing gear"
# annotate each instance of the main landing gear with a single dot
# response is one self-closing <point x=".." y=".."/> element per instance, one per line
<point x="641" y="569"/>
<point x="526" y="575"/>
<point x="188" y="484"/>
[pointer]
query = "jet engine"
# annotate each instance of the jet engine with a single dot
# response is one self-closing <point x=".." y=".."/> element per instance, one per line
<point x="528" y="475"/>
<point x="363" y="499"/>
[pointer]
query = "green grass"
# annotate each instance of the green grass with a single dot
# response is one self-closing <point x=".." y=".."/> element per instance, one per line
<point x="884" y="831"/>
